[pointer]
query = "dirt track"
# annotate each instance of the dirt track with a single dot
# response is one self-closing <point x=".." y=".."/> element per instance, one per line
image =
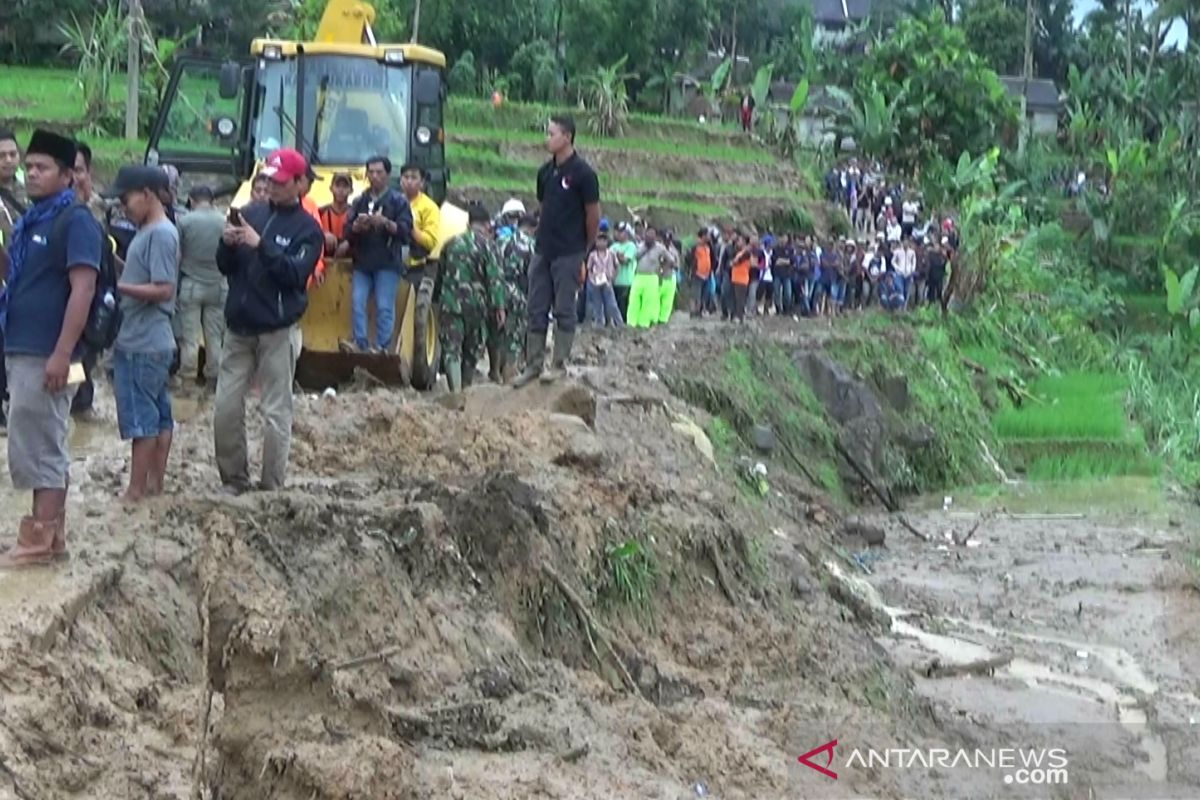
<point x="422" y="614"/>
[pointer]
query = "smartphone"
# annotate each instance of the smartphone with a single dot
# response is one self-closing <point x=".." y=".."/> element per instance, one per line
<point x="235" y="216"/>
<point x="76" y="374"/>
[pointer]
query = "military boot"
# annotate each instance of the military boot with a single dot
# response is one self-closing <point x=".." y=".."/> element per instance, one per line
<point x="454" y="376"/>
<point x="562" y="352"/>
<point x="535" y="358"/>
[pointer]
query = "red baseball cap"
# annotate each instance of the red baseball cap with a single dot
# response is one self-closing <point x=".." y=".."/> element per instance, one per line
<point x="285" y="165"/>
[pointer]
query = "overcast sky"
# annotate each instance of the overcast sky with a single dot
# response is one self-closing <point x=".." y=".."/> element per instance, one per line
<point x="1177" y="36"/>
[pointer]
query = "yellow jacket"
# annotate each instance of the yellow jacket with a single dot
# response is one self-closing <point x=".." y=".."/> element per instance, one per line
<point x="427" y="221"/>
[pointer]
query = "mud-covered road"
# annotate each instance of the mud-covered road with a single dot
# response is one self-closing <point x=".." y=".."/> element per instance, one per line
<point x="431" y="610"/>
<point x="1083" y="615"/>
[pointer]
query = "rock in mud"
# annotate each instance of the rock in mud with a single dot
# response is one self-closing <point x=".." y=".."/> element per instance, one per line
<point x="496" y="683"/>
<point x="871" y="534"/>
<point x="564" y="397"/>
<point x="763" y="438"/>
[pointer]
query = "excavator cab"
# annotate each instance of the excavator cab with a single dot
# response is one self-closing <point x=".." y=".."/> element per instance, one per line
<point x="338" y="99"/>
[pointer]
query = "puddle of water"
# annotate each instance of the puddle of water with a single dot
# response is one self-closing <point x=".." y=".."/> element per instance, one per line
<point x="1129" y="712"/>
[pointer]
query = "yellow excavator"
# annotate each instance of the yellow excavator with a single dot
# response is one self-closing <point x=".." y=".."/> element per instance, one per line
<point x="338" y="98"/>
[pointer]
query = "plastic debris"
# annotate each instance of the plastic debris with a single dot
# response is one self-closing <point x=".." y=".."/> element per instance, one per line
<point x="329" y="393"/>
<point x="1081" y="654"/>
<point x="947" y="501"/>
<point x="700" y="788"/>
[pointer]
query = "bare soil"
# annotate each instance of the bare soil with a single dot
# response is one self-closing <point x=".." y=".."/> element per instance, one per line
<point x="429" y="612"/>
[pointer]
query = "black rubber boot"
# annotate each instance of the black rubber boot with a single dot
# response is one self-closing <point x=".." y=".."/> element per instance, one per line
<point x="535" y="358"/>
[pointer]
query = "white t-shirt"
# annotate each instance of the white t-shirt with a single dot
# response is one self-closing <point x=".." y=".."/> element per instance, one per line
<point x="908" y="212"/>
<point x="894" y="231"/>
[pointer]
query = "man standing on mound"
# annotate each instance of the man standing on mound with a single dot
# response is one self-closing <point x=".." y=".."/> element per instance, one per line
<point x="569" y="193"/>
<point x="53" y="260"/>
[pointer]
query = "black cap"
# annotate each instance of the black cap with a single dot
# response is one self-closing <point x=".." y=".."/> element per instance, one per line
<point x="341" y="177"/>
<point x="49" y="143"/>
<point x="476" y="212"/>
<point x="136" y="178"/>
<point x="312" y="175"/>
<point x="201" y="193"/>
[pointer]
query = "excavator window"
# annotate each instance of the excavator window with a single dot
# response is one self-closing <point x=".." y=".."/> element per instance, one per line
<point x="353" y="108"/>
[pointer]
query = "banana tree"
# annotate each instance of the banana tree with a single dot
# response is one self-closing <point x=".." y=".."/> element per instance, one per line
<point x="761" y="88"/>
<point x="716" y="84"/>
<point x="663" y="82"/>
<point x="607" y="97"/>
<point x="873" y="122"/>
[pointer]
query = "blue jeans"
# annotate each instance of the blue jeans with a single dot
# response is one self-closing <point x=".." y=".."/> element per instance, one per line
<point x="783" y="295"/>
<point x="837" y="292"/>
<point x="602" y="302"/>
<point x="908" y="288"/>
<point x="808" y="293"/>
<point x="383" y="283"/>
<point x="140" y="389"/>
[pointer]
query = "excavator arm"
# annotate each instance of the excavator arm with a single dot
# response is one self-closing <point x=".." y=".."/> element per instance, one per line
<point x="347" y="21"/>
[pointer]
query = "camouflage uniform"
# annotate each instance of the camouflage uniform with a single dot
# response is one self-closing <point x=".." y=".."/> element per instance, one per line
<point x="472" y="291"/>
<point x="10" y="212"/>
<point x="517" y="251"/>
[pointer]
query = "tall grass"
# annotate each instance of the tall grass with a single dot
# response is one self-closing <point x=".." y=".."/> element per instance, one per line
<point x="662" y="147"/>
<point x="1167" y="403"/>
<point x="1075" y="406"/>
<point x="473" y="111"/>
<point x="468" y="181"/>
<point x="1089" y="465"/>
<point x="466" y="158"/>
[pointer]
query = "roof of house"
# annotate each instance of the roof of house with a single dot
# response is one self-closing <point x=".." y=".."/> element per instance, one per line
<point x="840" y="12"/>
<point x="1042" y="95"/>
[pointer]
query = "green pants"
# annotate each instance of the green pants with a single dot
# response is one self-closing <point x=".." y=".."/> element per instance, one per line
<point x="666" y="299"/>
<point x="643" y="301"/>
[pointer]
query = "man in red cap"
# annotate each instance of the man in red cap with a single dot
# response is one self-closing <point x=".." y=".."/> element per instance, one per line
<point x="268" y="252"/>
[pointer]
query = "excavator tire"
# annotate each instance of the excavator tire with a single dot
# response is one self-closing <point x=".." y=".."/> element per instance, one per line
<point x="426" y="350"/>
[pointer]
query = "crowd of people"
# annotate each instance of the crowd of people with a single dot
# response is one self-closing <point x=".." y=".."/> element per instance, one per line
<point x="134" y="282"/>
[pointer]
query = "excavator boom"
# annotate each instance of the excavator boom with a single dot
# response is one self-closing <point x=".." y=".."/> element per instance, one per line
<point x="346" y="21"/>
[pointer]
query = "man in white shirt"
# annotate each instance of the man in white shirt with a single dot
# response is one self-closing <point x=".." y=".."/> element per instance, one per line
<point x="908" y="216"/>
<point x="905" y="264"/>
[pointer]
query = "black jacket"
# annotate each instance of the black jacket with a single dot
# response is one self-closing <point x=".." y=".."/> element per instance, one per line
<point x="267" y="284"/>
<point x="376" y="250"/>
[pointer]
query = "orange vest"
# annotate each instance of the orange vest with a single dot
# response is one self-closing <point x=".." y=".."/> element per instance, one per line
<point x="741" y="269"/>
<point x="703" y="261"/>
<point x="310" y="205"/>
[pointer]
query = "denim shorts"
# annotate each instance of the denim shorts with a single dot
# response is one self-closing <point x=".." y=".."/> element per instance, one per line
<point x="140" y="387"/>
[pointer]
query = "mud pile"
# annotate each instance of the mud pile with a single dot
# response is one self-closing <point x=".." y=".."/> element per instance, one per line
<point x="442" y="605"/>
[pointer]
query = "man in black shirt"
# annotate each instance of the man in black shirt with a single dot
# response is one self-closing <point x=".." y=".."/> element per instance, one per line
<point x="569" y="193"/>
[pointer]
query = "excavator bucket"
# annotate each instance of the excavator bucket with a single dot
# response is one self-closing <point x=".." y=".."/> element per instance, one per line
<point x="414" y="357"/>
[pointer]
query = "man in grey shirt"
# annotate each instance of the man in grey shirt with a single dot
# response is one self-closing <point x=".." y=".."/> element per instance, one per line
<point x="145" y="346"/>
<point x="202" y="288"/>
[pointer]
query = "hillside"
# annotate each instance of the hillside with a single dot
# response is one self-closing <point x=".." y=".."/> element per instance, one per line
<point x="671" y="171"/>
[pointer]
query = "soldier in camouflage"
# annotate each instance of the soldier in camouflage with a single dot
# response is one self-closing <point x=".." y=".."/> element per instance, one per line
<point x="472" y="295"/>
<point x="506" y="346"/>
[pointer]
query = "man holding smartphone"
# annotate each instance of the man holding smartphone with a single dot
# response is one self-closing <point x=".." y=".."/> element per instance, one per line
<point x="379" y="228"/>
<point x="268" y="252"/>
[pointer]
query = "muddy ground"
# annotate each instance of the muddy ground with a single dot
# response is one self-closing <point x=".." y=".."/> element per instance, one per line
<point x="430" y="611"/>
